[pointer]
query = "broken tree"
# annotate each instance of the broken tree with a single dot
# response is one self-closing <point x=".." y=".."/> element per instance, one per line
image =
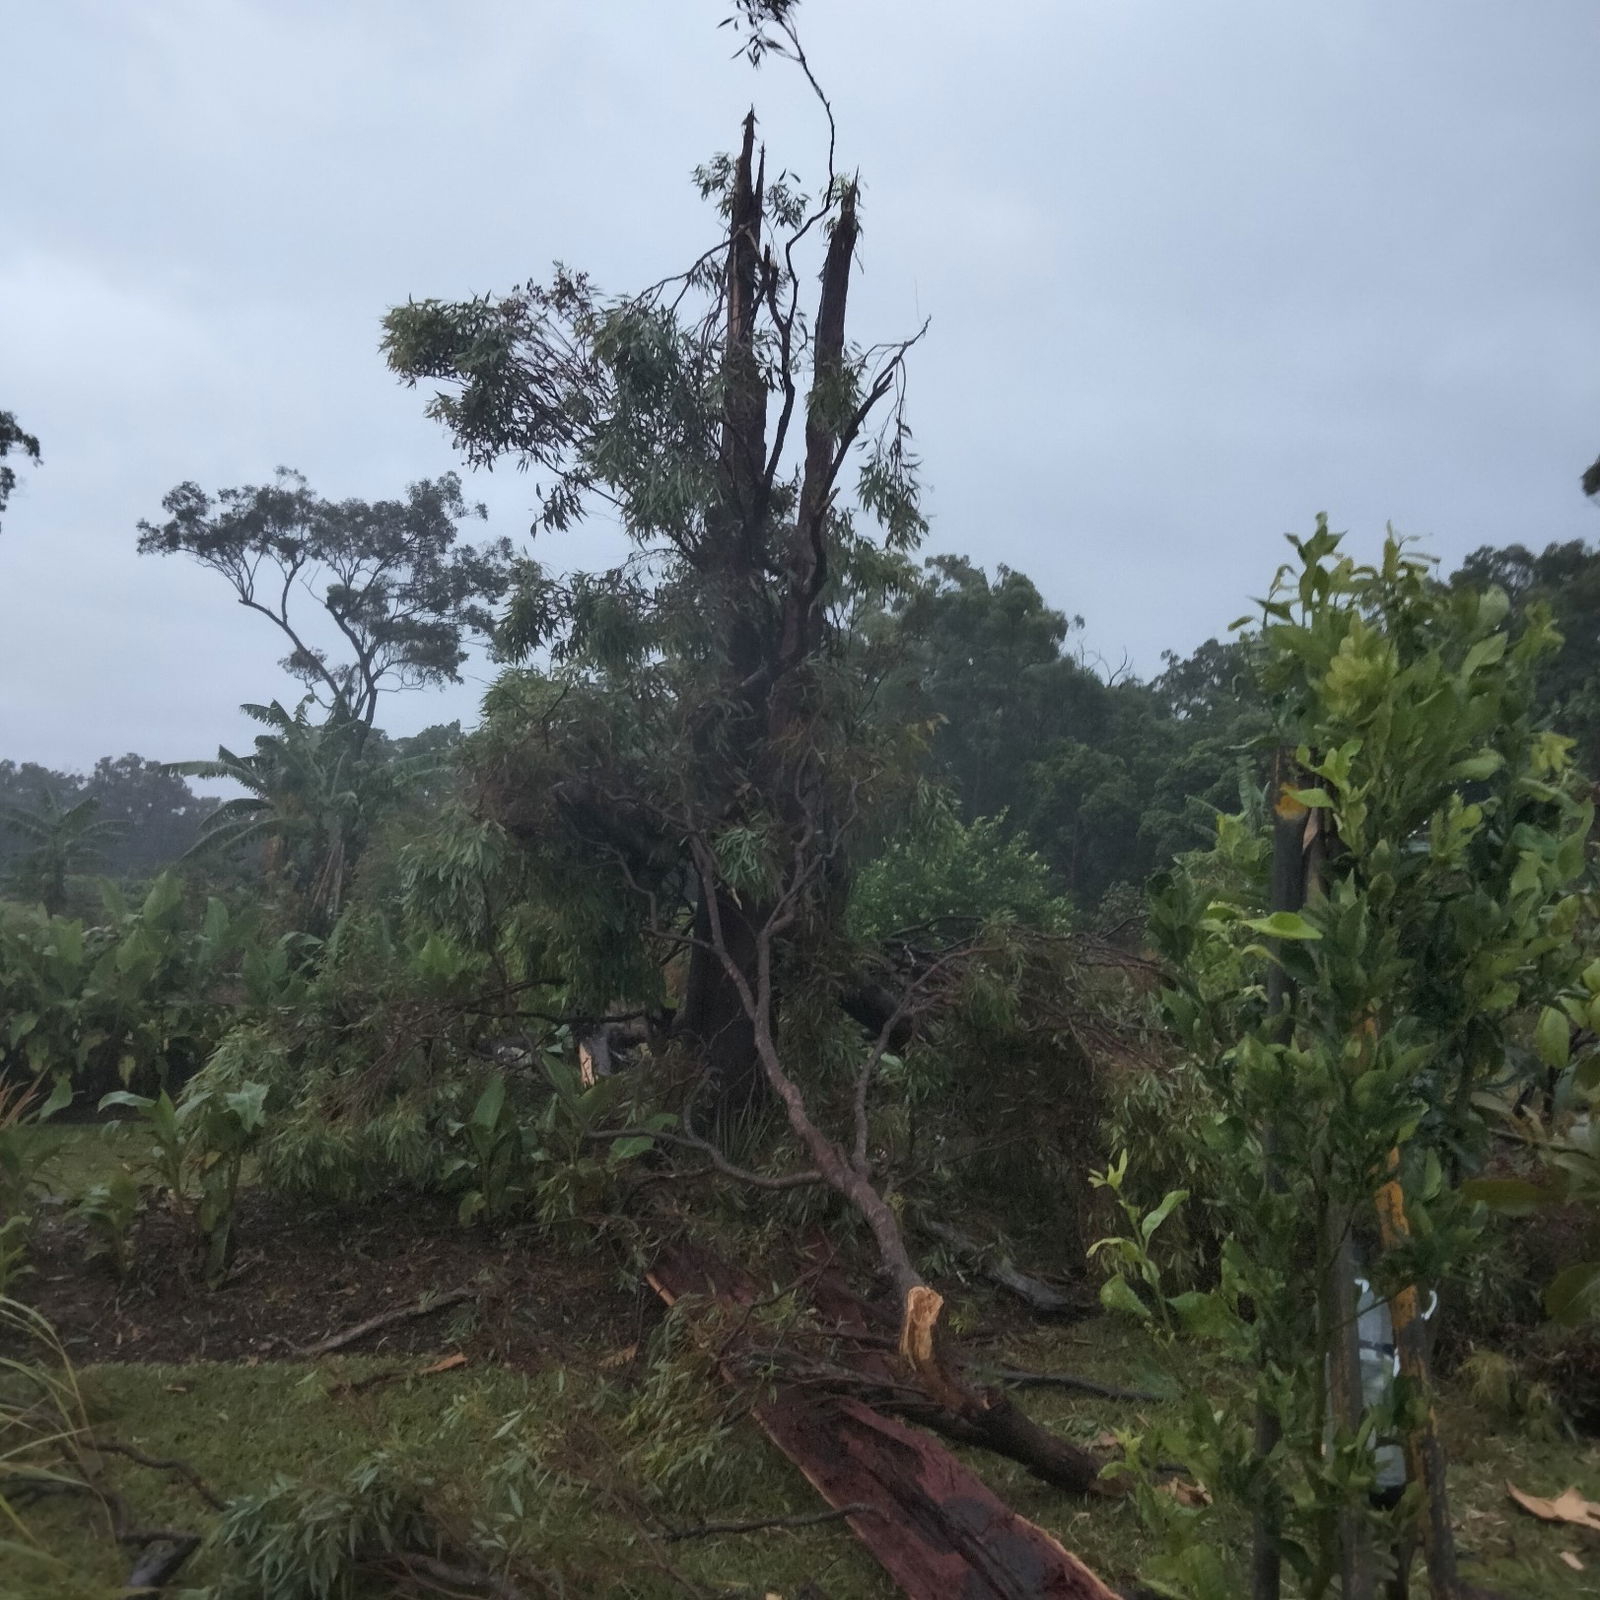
<point x="936" y="1528"/>
<point x="691" y="777"/>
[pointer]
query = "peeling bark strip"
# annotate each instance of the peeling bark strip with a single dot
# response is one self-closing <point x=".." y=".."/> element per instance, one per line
<point x="936" y="1528"/>
<point x="939" y="1531"/>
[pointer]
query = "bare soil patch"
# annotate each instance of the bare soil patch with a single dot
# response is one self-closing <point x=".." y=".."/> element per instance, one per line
<point x="302" y="1274"/>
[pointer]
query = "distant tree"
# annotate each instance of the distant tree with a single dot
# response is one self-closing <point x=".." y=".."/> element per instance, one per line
<point x="402" y="597"/>
<point x="154" y="811"/>
<point x="312" y="795"/>
<point x="12" y="438"/>
<point x="158" y="814"/>
<point x="26" y="784"/>
<point x="985" y="657"/>
<point x="1565" y="577"/>
<point x="1108" y="779"/>
<point x="1215" y="684"/>
<point x="59" y="843"/>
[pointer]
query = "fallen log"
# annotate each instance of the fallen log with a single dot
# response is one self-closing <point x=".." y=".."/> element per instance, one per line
<point x="1017" y="1379"/>
<point x="998" y="1268"/>
<point x="987" y="1418"/>
<point x="933" y="1525"/>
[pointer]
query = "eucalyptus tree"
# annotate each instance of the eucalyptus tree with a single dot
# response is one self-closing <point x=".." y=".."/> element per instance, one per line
<point x="402" y="595"/>
<point x="13" y="437"/>
<point x="699" y="689"/>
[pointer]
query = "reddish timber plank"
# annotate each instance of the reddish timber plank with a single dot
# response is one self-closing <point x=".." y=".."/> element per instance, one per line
<point x="933" y="1525"/>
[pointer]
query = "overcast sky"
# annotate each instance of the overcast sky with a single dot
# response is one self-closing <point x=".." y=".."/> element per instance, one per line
<point x="1197" y="270"/>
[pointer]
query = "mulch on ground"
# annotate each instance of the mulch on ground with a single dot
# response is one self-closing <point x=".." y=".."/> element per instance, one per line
<point x="300" y="1275"/>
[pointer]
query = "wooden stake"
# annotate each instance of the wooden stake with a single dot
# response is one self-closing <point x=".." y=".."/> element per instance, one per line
<point x="1288" y="894"/>
<point x="1424" y="1453"/>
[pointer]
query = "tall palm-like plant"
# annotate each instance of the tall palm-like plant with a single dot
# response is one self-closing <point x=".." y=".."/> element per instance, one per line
<point x="60" y="843"/>
<point x="313" y="791"/>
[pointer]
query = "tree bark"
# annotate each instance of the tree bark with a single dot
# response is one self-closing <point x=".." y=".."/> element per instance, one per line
<point x="713" y="1021"/>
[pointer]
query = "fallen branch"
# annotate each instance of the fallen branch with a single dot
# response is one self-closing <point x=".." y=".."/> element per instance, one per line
<point x="997" y="1267"/>
<point x="939" y="1530"/>
<point x="948" y="1403"/>
<point x="115" y="1447"/>
<point x="384" y="1319"/>
<point x="441" y="1576"/>
<point x="1018" y="1379"/>
<point x="706" y="1530"/>
<point x="391" y="1374"/>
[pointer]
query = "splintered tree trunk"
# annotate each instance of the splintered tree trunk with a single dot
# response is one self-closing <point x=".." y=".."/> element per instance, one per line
<point x="931" y="1522"/>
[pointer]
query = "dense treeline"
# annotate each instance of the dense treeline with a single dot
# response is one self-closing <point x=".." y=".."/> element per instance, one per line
<point x="1107" y="780"/>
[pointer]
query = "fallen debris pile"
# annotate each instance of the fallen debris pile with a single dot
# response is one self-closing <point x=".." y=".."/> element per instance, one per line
<point x="932" y="1524"/>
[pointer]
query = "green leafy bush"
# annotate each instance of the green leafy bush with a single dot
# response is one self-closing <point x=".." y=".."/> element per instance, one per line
<point x="136" y="1000"/>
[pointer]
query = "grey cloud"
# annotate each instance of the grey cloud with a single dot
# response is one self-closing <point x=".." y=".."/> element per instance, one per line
<point x="1196" y="273"/>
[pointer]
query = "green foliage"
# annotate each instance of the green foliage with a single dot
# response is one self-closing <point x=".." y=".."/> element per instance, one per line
<point x="315" y="793"/>
<point x="1166" y="1113"/>
<point x="13" y="437"/>
<point x="302" y="1541"/>
<point x="388" y="575"/>
<point x="1456" y="836"/>
<point x="60" y="843"/>
<point x="201" y="1142"/>
<point x="42" y="1420"/>
<point x="133" y="1000"/>
<point x="1132" y="1256"/>
<point x="685" y="1428"/>
<point x="1563" y="579"/>
<point x="1568" y="1170"/>
<point x="109" y="1210"/>
<point x="22" y="1108"/>
<point x="145" y="816"/>
<point x="494" y="1137"/>
<point x="1106" y="779"/>
<point x="943" y="873"/>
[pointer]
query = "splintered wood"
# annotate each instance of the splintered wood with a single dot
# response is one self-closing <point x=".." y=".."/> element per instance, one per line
<point x="935" y="1527"/>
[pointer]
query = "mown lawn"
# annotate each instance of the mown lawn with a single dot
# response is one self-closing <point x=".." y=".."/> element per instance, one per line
<point x="541" y="1462"/>
<point x="556" y="1438"/>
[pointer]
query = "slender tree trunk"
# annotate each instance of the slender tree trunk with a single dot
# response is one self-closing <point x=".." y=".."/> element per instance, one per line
<point x="1346" y="1401"/>
<point x="1288" y="892"/>
<point x="1424" y="1454"/>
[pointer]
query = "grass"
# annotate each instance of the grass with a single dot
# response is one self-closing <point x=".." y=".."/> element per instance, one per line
<point x="72" y="1157"/>
<point x="242" y="1426"/>
<point x="548" y="1465"/>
